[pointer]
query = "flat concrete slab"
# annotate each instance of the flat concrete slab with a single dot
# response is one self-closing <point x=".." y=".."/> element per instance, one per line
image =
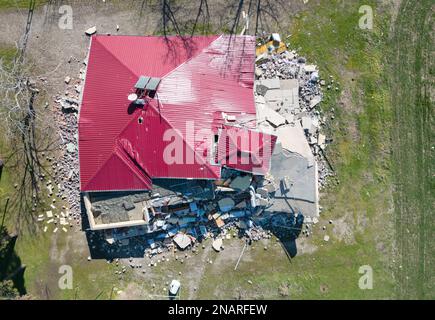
<point x="302" y="193"/>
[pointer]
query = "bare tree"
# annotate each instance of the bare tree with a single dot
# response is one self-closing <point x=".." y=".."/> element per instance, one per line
<point x="26" y="130"/>
<point x="205" y="13"/>
<point x="268" y="10"/>
<point x="169" y="17"/>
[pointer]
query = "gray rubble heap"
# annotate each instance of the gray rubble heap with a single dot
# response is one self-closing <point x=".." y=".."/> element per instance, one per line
<point x="273" y="66"/>
<point x="66" y="167"/>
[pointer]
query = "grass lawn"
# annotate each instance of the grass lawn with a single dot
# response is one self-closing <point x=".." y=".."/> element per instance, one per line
<point x="412" y="85"/>
<point x="328" y="34"/>
<point x="10" y="4"/>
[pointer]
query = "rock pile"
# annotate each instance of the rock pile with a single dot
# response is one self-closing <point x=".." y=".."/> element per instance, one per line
<point x="290" y="65"/>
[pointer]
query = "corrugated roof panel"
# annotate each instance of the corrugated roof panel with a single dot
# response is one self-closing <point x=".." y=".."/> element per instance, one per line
<point x="245" y="149"/>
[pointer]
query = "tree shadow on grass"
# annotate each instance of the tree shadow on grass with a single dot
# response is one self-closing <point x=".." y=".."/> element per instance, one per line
<point x="10" y="263"/>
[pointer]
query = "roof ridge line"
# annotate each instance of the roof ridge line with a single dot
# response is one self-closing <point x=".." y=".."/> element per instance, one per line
<point x="113" y="151"/>
<point x="116" y="58"/>
<point x="124" y="157"/>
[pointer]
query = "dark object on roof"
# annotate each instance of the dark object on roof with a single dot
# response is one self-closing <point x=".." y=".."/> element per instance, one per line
<point x="142" y="82"/>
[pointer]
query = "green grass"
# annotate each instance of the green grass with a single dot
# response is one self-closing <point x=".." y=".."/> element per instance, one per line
<point x="6" y="185"/>
<point x="412" y="80"/>
<point x="360" y="152"/>
<point x="7" y="53"/>
<point x="20" y="4"/>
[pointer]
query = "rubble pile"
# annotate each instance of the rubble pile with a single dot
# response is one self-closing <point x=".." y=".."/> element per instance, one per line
<point x="65" y="168"/>
<point x="275" y="69"/>
<point x="180" y="219"/>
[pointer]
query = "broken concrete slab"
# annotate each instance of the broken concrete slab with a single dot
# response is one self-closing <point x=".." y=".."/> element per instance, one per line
<point x="302" y="195"/>
<point x="182" y="240"/>
<point x="270" y="83"/>
<point x="226" y="204"/>
<point x="264" y="113"/>
<point x="91" y="31"/>
<point x="258" y="72"/>
<point x="217" y="244"/>
<point x="321" y="140"/>
<point x="241" y="183"/>
<point x="309" y="68"/>
<point x="315" y="101"/>
<point x="289" y="84"/>
<point x="306" y="123"/>
<point x="282" y="98"/>
<point x="261" y="90"/>
<point x="292" y="139"/>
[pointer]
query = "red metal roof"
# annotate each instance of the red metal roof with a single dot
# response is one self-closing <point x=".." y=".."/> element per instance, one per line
<point x="122" y="147"/>
<point x="245" y="150"/>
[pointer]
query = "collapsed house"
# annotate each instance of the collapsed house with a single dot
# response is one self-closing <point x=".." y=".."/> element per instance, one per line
<point x="174" y="140"/>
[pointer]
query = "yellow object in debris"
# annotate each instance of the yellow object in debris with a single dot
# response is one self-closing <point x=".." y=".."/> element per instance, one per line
<point x="219" y="222"/>
<point x="278" y="47"/>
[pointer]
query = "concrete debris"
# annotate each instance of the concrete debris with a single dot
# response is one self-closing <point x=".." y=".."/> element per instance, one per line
<point x="217" y="244"/>
<point x="226" y="204"/>
<point x="70" y="147"/>
<point x="91" y="31"/>
<point x="182" y="240"/>
<point x="275" y="37"/>
<point x="241" y="183"/>
<point x="301" y="81"/>
<point x="315" y="101"/>
<point x="310" y="68"/>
